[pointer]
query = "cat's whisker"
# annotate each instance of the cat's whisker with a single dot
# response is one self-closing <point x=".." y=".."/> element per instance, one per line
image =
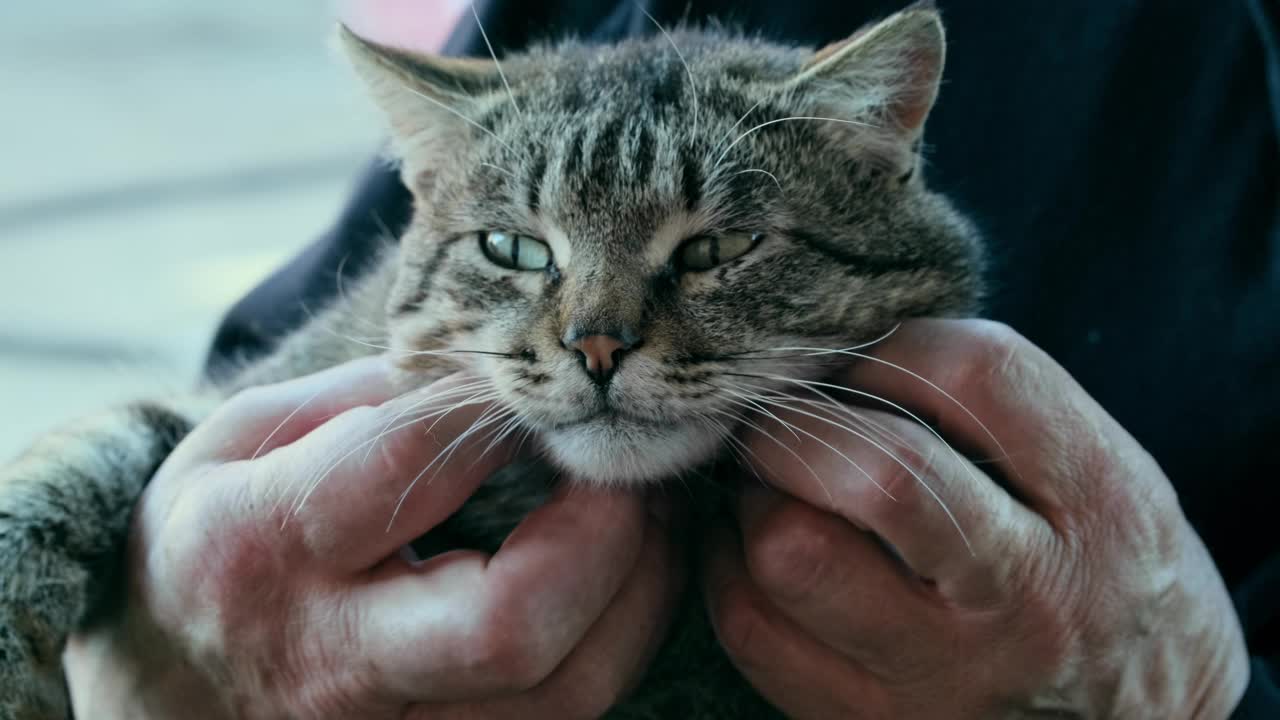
<point x="871" y="425"/>
<point x="729" y="133"/>
<point x="490" y="416"/>
<point x="742" y="398"/>
<point x="739" y="449"/>
<point x="293" y="414"/>
<point x="301" y="499"/>
<point x="468" y="120"/>
<point x="781" y="120"/>
<point x="286" y="420"/>
<point x="684" y="483"/>
<point x="693" y="88"/>
<point x="990" y="435"/>
<point x="310" y="486"/>
<point x="524" y="432"/>
<point x="808" y="351"/>
<point x="384" y="232"/>
<point x="744" y="401"/>
<point x="831" y="404"/>
<point x="415" y="353"/>
<point x="929" y="489"/>
<point x="496" y="64"/>
<point x="852" y="352"/>
<point x="421" y="418"/>
<point x="503" y="432"/>
<point x="946" y="509"/>
<point x="743" y="421"/>
<point x="796" y="428"/>
<point x="814" y="383"/>
<point x="494" y="436"/>
<point x="499" y="169"/>
<point x="772" y="177"/>
<point x="487" y="418"/>
<point x="453" y="392"/>
<point x="738" y="418"/>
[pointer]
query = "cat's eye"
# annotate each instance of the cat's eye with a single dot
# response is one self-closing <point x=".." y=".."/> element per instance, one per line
<point x="515" y="252"/>
<point x="704" y="252"/>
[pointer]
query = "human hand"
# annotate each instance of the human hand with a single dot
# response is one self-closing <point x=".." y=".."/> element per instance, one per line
<point x="1082" y="590"/>
<point x="247" y="602"/>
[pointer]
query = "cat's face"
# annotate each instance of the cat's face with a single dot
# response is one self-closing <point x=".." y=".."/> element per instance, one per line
<point x="626" y="266"/>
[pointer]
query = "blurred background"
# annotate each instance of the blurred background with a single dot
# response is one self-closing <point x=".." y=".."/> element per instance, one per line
<point x="160" y="157"/>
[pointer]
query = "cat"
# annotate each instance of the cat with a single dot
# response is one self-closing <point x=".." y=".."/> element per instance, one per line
<point x="623" y="232"/>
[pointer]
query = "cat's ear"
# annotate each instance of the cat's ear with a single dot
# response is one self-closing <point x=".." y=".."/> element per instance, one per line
<point x="884" y="77"/>
<point x="428" y="100"/>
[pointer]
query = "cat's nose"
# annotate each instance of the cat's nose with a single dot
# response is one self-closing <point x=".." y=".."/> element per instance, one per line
<point x="599" y="353"/>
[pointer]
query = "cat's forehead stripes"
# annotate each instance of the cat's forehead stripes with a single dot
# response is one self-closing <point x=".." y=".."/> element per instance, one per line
<point x="606" y="167"/>
<point x="612" y="150"/>
<point x="646" y="153"/>
<point x="690" y="178"/>
<point x="533" y="194"/>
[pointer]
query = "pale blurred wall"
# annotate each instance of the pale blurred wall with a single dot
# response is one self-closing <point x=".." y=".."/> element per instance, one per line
<point x="158" y="158"/>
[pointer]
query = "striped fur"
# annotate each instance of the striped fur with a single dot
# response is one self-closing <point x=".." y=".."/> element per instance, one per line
<point x="614" y="156"/>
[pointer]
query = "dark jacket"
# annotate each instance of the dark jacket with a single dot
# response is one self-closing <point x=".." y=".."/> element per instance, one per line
<point x="1122" y="161"/>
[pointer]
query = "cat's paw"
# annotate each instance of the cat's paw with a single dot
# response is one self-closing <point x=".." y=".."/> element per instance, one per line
<point x="31" y="682"/>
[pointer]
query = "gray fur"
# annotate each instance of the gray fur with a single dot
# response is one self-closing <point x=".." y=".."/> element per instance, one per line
<point x="604" y="157"/>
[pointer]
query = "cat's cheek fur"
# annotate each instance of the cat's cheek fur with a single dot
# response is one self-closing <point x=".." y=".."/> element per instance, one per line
<point x="627" y="454"/>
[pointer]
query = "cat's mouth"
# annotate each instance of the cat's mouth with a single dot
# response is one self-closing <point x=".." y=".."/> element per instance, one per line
<point x="617" y="448"/>
<point x="609" y="418"/>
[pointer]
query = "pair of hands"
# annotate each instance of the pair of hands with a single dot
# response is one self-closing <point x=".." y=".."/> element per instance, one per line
<point x="1081" y="589"/>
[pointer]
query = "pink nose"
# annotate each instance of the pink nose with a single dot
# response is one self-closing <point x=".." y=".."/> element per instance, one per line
<point x="600" y="354"/>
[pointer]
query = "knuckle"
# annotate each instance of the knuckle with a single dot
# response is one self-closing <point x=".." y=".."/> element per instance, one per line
<point x="512" y="655"/>
<point x="1041" y="606"/>
<point x="1048" y="633"/>
<point x="391" y="454"/>
<point x="789" y="554"/>
<point x="242" y="554"/>
<point x="514" y="667"/>
<point x="244" y="560"/>
<point x="897" y="499"/>
<point x="995" y="335"/>
<point x="996" y="350"/>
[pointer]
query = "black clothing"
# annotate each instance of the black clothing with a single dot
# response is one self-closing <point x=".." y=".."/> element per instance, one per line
<point x="1122" y="160"/>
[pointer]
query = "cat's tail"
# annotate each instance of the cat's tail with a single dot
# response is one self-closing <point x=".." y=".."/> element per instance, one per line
<point x="65" y="509"/>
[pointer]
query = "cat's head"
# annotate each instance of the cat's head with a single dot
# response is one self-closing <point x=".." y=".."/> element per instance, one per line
<point x="631" y="235"/>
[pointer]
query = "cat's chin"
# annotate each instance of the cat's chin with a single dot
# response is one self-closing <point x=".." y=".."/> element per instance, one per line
<point x="622" y="453"/>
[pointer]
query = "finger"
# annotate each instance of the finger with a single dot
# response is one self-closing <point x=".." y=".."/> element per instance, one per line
<point x="945" y="518"/>
<point x="792" y="670"/>
<point x="371" y="480"/>
<point x="462" y="626"/>
<point x="259" y="419"/>
<point x="615" y="652"/>
<point x="834" y="581"/>
<point x="997" y="395"/>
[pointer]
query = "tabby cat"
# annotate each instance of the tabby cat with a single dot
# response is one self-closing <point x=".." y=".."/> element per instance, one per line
<point x="621" y="229"/>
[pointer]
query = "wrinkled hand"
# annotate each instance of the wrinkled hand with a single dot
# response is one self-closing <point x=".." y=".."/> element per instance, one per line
<point x="242" y="607"/>
<point x="1080" y="591"/>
